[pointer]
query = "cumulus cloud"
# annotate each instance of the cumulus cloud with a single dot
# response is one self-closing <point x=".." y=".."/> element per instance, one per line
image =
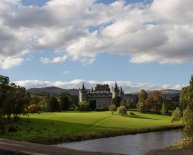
<point x="10" y="62"/>
<point x="159" y="31"/>
<point x="128" y="87"/>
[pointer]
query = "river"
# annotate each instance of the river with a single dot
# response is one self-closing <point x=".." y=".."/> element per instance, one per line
<point x="128" y="144"/>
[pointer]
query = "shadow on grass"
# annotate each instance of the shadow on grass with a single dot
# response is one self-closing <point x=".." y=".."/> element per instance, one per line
<point x="53" y="131"/>
<point x="141" y="117"/>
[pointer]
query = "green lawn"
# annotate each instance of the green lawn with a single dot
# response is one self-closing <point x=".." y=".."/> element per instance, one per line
<point x="57" y="127"/>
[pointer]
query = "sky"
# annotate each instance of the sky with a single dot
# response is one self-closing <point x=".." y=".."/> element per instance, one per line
<point x="141" y="44"/>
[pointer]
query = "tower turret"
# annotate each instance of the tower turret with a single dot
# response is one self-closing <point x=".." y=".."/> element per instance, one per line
<point x="115" y="91"/>
<point x="82" y="93"/>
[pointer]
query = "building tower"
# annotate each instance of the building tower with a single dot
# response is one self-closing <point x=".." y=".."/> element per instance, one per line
<point x="115" y="91"/>
<point x="82" y="93"/>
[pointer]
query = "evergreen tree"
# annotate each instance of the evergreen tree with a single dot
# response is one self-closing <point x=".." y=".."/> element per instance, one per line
<point x="164" y="109"/>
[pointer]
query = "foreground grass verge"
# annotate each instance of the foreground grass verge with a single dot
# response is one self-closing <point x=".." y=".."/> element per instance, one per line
<point x="52" y="128"/>
<point x="183" y="144"/>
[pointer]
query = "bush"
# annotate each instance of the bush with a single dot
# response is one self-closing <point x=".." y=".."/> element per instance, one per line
<point x="122" y="110"/>
<point x="176" y="115"/>
<point x="101" y="109"/>
<point x="188" y="121"/>
<point x="73" y="108"/>
<point x="2" y="126"/>
<point x="12" y="129"/>
<point x="44" y="107"/>
<point x="33" y="108"/>
<point x="84" y="106"/>
<point x="112" y="108"/>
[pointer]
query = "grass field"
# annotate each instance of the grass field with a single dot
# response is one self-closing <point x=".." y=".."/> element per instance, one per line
<point x="50" y="128"/>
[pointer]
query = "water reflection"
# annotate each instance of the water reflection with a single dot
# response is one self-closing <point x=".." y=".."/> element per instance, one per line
<point x="128" y="144"/>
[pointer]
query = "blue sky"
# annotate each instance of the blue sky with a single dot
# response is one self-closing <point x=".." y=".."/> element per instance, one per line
<point x="127" y="62"/>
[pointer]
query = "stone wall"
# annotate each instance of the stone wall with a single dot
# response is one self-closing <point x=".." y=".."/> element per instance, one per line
<point x="101" y="102"/>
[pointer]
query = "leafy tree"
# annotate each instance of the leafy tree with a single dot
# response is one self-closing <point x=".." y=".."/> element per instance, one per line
<point x="116" y="101"/>
<point x="53" y="104"/>
<point x="188" y="120"/>
<point x="142" y="107"/>
<point x="112" y="108"/>
<point x="92" y="105"/>
<point x="184" y="97"/>
<point x="84" y="106"/>
<point x="13" y="99"/>
<point x="65" y="101"/>
<point x="176" y="115"/>
<point x="157" y="101"/>
<point x="188" y="113"/>
<point x="141" y="101"/>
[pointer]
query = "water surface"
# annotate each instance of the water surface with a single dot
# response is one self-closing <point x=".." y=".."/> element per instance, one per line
<point x="128" y="144"/>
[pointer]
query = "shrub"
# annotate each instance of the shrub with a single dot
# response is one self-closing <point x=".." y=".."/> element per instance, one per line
<point x="112" y="108"/>
<point x="33" y="108"/>
<point x="188" y="121"/>
<point x="84" y="106"/>
<point x="12" y="129"/>
<point x="2" y="126"/>
<point x="122" y="110"/>
<point x="44" y="107"/>
<point x="176" y="115"/>
<point x="101" y="109"/>
<point x="73" y="108"/>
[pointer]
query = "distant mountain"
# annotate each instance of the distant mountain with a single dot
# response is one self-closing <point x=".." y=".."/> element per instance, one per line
<point x="53" y="91"/>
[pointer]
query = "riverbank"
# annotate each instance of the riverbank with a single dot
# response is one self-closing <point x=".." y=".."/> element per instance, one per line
<point x="53" y="128"/>
<point x="10" y="147"/>
<point x="169" y="152"/>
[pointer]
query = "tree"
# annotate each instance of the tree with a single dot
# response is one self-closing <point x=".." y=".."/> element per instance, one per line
<point x="116" y="101"/>
<point x="164" y="109"/>
<point x="92" y="105"/>
<point x="184" y="97"/>
<point x="141" y="101"/>
<point x="84" y="106"/>
<point x="65" y="101"/>
<point x="188" y="113"/>
<point x="53" y="104"/>
<point x="142" y="107"/>
<point x="122" y="110"/>
<point x="13" y="99"/>
<point x="112" y="108"/>
<point x="176" y="115"/>
<point x="188" y="120"/>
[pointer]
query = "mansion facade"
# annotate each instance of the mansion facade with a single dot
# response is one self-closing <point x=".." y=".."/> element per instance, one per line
<point x="101" y="95"/>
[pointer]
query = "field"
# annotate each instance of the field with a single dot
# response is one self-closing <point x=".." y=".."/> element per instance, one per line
<point x="50" y="128"/>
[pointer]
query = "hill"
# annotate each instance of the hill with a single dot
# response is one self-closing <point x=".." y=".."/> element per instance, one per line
<point x="53" y="91"/>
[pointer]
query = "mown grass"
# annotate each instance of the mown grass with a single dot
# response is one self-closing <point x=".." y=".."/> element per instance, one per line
<point x="50" y="128"/>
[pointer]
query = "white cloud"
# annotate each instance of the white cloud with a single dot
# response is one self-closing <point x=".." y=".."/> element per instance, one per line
<point x="53" y="60"/>
<point x="127" y="86"/>
<point x="160" y="31"/>
<point x="10" y="62"/>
